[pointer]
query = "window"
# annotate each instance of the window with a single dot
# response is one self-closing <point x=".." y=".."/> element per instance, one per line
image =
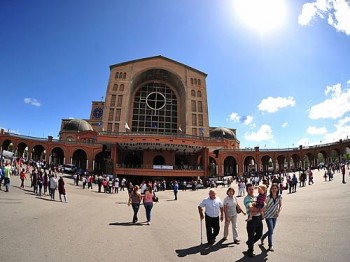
<point x="193" y="106"/>
<point x="155" y="109"/>
<point x="191" y="81"/>
<point x="120" y="75"/>
<point x="120" y="101"/>
<point x="121" y="88"/>
<point x="195" y="81"/>
<point x="111" y="113"/>
<point x="124" y="75"/>
<point x="117" y="115"/>
<point x="116" y="75"/>
<point x="109" y="127"/>
<point x="193" y="93"/>
<point x="200" y="106"/>
<point x="194" y="131"/>
<point x="113" y="100"/>
<point x="194" y="119"/>
<point x="199" y="93"/>
<point x="199" y="82"/>
<point x="115" y="87"/>
<point x="200" y="120"/>
<point x="116" y="127"/>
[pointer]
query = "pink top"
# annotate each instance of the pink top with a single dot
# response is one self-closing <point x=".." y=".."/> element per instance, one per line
<point x="148" y="197"/>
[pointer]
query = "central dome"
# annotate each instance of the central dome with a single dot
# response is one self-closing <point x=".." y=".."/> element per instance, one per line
<point x="77" y="125"/>
<point x="222" y="132"/>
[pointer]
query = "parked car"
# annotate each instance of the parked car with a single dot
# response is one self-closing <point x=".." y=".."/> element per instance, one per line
<point x="69" y="168"/>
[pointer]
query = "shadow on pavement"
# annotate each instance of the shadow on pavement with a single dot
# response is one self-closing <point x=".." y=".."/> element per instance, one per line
<point x="203" y="249"/>
<point x="261" y="257"/>
<point x="127" y="224"/>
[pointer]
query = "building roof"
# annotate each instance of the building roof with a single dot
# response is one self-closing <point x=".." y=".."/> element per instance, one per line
<point x="77" y="125"/>
<point x="222" y="132"/>
<point x="153" y="57"/>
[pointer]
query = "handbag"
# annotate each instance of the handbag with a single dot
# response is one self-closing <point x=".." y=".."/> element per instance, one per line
<point x="155" y="198"/>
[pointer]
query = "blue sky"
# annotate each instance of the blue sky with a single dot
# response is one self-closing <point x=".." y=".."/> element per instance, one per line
<point x="280" y="75"/>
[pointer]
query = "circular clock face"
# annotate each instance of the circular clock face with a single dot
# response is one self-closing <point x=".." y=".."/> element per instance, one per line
<point x="155" y="100"/>
<point x="98" y="112"/>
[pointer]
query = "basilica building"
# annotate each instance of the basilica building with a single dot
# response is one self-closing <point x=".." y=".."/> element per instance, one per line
<point x="153" y="122"/>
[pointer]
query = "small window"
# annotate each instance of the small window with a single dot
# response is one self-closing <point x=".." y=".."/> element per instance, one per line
<point x="193" y="93"/>
<point x="115" y="87"/>
<point x="124" y="75"/>
<point x="200" y="120"/>
<point x="195" y="81"/>
<point x="193" y="106"/>
<point x="200" y="106"/>
<point x="110" y="117"/>
<point x="113" y="100"/>
<point x="109" y="127"/>
<point x="199" y="82"/>
<point x="194" y="119"/>
<point x="191" y="81"/>
<point x="117" y="115"/>
<point x="120" y="75"/>
<point x="116" y="75"/>
<point x="199" y="93"/>
<point x="120" y="101"/>
<point x="121" y="88"/>
<point x="194" y="131"/>
<point x="116" y="127"/>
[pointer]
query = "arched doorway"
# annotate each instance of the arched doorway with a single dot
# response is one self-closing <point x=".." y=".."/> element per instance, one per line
<point x="57" y="156"/>
<point x="38" y="153"/>
<point x="230" y="166"/>
<point x="79" y="159"/>
<point x="250" y="165"/>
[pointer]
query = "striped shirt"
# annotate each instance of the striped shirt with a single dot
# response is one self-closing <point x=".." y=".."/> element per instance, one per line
<point x="272" y="206"/>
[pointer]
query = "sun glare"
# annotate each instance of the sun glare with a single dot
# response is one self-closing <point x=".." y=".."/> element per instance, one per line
<point x="262" y="15"/>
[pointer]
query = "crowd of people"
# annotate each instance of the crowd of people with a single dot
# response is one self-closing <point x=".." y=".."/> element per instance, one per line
<point x="44" y="182"/>
<point x="266" y="205"/>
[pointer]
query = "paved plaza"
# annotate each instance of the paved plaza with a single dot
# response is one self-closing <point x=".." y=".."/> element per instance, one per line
<point x="313" y="226"/>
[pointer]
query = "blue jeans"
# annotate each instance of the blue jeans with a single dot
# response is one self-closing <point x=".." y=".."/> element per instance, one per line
<point x="148" y="208"/>
<point x="271" y="223"/>
<point x="135" y="207"/>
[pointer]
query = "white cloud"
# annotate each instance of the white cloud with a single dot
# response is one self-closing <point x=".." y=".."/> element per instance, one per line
<point x="342" y="131"/>
<point x="234" y="117"/>
<point x="312" y="130"/>
<point x="32" y="101"/>
<point x="285" y="124"/>
<point x="337" y="13"/>
<point x="247" y="120"/>
<point x="273" y="104"/>
<point x="303" y="142"/>
<point x="335" y="107"/>
<point x="264" y="133"/>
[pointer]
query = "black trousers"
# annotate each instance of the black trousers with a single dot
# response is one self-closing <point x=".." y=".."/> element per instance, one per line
<point x="212" y="225"/>
<point x="254" y="230"/>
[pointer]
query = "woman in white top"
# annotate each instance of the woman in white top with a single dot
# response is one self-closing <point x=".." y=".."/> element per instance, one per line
<point x="230" y="203"/>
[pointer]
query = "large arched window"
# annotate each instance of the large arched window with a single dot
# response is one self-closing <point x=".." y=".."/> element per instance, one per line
<point x="155" y="109"/>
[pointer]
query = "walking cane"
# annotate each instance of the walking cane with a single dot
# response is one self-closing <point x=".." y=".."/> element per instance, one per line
<point x="201" y="231"/>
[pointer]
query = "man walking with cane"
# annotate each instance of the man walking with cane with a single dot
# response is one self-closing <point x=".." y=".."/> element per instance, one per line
<point x="213" y="209"/>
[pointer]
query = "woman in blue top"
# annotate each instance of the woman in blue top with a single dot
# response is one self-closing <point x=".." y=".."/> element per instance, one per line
<point x="272" y="211"/>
